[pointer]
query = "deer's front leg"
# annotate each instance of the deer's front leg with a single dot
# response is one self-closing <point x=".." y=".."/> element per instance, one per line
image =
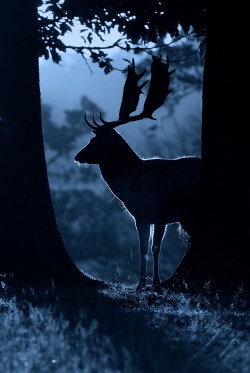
<point x="143" y="231"/>
<point x="159" y="230"/>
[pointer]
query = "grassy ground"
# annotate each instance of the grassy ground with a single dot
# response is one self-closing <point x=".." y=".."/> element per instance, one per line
<point x="117" y="330"/>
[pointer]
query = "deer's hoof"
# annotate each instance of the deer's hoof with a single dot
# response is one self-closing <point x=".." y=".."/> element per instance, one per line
<point x="141" y="286"/>
<point x="156" y="282"/>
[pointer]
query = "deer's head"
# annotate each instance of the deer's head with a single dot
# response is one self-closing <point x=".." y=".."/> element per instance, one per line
<point x="107" y="145"/>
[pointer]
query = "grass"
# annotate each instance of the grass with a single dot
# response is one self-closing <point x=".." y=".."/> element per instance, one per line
<point x="117" y="330"/>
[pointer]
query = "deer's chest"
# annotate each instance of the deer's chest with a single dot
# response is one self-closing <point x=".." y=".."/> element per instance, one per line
<point x="143" y="195"/>
<point x="155" y="190"/>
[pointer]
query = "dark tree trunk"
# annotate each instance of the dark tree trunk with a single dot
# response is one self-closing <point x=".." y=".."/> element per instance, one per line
<point x="219" y="252"/>
<point x="31" y="247"/>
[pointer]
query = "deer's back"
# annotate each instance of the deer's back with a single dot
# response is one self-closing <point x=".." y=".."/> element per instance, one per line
<point x="159" y="189"/>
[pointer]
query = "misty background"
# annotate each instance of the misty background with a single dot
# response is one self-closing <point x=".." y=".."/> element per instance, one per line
<point x="99" y="235"/>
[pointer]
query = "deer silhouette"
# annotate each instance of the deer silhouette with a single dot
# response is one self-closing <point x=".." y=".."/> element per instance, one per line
<point x="156" y="192"/>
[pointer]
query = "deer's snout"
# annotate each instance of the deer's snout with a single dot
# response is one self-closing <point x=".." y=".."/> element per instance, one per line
<point x="87" y="155"/>
<point x="78" y="158"/>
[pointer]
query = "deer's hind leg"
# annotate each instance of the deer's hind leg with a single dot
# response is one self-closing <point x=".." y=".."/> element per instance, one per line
<point x="143" y="231"/>
<point x="159" y="231"/>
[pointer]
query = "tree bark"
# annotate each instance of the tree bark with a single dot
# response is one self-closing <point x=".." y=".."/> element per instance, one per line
<point x="31" y="247"/>
<point x="219" y="251"/>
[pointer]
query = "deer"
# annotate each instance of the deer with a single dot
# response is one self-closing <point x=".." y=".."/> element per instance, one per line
<point x="156" y="192"/>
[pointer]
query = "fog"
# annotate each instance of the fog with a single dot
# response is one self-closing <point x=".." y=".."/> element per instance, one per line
<point x="97" y="232"/>
<point x="63" y="85"/>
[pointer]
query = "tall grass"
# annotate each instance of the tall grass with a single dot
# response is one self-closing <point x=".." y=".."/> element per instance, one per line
<point x="117" y="330"/>
<point x="35" y="340"/>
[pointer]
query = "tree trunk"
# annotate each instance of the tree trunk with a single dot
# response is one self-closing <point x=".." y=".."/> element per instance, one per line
<point x="219" y="252"/>
<point x="31" y="247"/>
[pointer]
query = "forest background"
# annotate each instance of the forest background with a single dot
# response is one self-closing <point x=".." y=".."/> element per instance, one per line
<point x="99" y="234"/>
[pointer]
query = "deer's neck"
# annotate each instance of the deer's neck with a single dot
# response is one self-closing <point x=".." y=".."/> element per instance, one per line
<point x="120" y="166"/>
<point x="120" y="175"/>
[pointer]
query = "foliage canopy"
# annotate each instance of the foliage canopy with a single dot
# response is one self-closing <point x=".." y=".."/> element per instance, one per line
<point x="137" y="24"/>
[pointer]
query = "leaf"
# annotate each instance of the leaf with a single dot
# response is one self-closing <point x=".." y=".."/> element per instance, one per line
<point x="128" y="47"/>
<point x="101" y="53"/>
<point x="90" y="37"/>
<point x="46" y="54"/>
<point x="50" y="8"/>
<point x="108" y="69"/>
<point x="94" y="56"/>
<point x="55" y="56"/>
<point x="64" y="27"/>
<point x="125" y="59"/>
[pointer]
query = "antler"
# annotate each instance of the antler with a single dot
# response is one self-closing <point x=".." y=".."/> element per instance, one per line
<point x="157" y="93"/>
<point x="131" y="92"/>
<point x="94" y="127"/>
<point x="158" y="87"/>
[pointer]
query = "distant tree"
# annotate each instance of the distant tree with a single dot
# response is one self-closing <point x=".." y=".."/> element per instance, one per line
<point x="30" y="243"/>
<point x="61" y="138"/>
